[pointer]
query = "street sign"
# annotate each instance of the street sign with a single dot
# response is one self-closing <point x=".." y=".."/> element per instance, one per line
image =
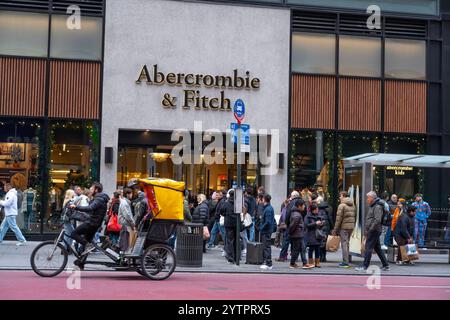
<point x="245" y="135"/>
<point x="239" y="110"/>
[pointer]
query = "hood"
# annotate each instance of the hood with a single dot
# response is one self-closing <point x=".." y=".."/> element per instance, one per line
<point x="348" y="201"/>
<point x="103" y="196"/>
<point x="141" y="195"/>
<point x="377" y="200"/>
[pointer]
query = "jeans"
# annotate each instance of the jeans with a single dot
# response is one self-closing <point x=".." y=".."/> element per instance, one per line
<point x="314" y="249"/>
<point x="267" y="253"/>
<point x="420" y="228"/>
<point x="373" y="243"/>
<point x="10" y="223"/>
<point x="383" y="233"/>
<point x="297" y="248"/>
<point x="345" y="244"/>
<point x="285" y="245"/>
<point x="216" y="228"/>
<point x="251" y="237"/>
<point x="244" y="239"/>
<point x="114" y="237"/>
<point x="68" y="229"/>
<point x="388" y="238"/>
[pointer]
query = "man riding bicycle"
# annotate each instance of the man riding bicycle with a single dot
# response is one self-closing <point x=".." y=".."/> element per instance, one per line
<point x="96" y="209"/>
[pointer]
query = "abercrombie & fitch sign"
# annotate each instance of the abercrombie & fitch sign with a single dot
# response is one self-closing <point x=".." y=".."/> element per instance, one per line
<point x="192" y="97"/>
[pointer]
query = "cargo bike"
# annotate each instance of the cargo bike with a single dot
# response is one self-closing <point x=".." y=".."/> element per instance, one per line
<point x="150" y="256"/>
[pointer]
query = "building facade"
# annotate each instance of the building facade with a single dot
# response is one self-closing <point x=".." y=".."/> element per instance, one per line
<point x="102" y="99"/>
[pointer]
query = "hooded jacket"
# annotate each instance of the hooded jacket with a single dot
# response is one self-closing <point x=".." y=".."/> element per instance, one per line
<point x="266" y="226"/>
<point x="311" y="226"/>
<point x="97" y="209"/>
<point x="326" y="215"/>
<point x="405" y="227"/>
<point x="346" y="216"/>
<point x="227" y="210"/>
<point x="10" y="203"/>
<point x="374" y="216"/>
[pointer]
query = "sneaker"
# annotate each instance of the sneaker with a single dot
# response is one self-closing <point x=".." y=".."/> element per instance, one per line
<point x="210" y="246"/>
<point x="308" y="266"/>
<point x="244" y="252"/>
<point x="344" y="265"/>
<point x="89" y="247"/>
<point x="399" y="263"/>
<point x="383" y="247"/>
<point x="360" y="269"/>
<point x="223" y="254"/>
<point x="266" y="267"/>
<point x="294" y="266"/>
<point x="424" y="249"/>
<point x="21" y="243"/>
<point x="385" y="268"/>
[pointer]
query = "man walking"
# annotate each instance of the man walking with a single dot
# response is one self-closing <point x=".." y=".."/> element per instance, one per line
<point x="10" y="205"/>
<point x="372" y="232"/>
<point x="221" y="197"/>
<point x="286" y="240"/>
<point x="230" y="217"/>
<point x="345" y="223"/>
<point x="266" y="230"/>
<point x="423" y="212"/>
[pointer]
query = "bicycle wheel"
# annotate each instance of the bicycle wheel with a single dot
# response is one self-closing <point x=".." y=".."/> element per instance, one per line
<point x="48" y="260"/>
<point x="158" y="262"/>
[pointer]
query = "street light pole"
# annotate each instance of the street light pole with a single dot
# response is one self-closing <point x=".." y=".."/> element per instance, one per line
<point x="239" y="184"/>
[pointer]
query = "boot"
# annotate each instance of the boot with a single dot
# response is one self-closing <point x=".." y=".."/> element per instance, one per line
<point x="317" y="262"/>
<point x="309" y="265"/>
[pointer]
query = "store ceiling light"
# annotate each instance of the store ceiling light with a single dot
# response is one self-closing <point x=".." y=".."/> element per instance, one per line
<point x="160" y="157"/>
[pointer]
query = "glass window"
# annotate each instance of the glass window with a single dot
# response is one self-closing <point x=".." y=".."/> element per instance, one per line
<point x="360" y="56"/>
<point x="74" y="150"/>
<point x="313" y="53"/>
<point x="23" y="34"/>
<point x="20" y="151"/>
<point x="405" y="59"/>
<point x="425" y="7"/>
<point x="312" y="162"/>
<point x="83" y="43"/>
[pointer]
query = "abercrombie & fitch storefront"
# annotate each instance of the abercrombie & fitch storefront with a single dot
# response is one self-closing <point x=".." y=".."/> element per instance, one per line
<point x="171" y="83"/>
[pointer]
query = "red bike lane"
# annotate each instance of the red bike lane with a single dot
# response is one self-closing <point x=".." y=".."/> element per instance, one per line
<point x="207" y="286"/>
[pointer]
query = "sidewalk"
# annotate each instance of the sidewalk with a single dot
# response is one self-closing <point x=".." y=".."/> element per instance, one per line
<point x="13" y="257"/>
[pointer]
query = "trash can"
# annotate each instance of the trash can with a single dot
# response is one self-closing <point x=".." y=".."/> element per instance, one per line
<point x="189" y="247"/>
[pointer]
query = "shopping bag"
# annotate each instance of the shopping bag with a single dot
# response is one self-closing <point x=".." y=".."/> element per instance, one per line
<point x="222" y="221"/>
<point x="411" y="252"/>
<point x="206" y="234"/>
<point x="333" y="243"/>
<point x="246" y="220"/>
<point x="363" y="246"/>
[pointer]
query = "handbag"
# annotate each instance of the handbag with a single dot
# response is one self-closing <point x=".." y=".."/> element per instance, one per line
<point x="247" y="220"/>
<point x="333" y="243"/>
<point x="206" y="234"/>
<point x="113" y="224"/>
<point x="320" y="235"/>
<point x="409" y="252"/>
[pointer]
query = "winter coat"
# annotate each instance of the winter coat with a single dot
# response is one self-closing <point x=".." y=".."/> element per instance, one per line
<point x="201" y="214"/>
<point x="405" y="227"/>
<point x="219" y="206"/>
<point x="296" y="225"/>
<point x="251" y="205"/>
<point x="374" y="216"/>
<point x="289" y="207"/>
<point x="311" y="226"/>
<point x="325" y="214"/>
<point x="397" y="213"/>
<point x="346" y="216"/>
<point x="227" y="210"/>
<point x="125" y="214"/>
<point x="267" y="220"/>
<point x="97" y="209"/>
<point x="140" y="208"/>
<point x="10" y="203"/>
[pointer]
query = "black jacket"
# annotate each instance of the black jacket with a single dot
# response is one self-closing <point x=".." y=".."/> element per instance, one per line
<point x="201" y="214"/>
<point x="296" y="226"/>
<point x="251" y="203"/>
<point x="97" y="209"/>
<point x="311" y="226"/>
<point x="326" y="215"/>
<point x="404" y="227"/>
<point x="227" y="210"/>
<point x="219" y="208"/>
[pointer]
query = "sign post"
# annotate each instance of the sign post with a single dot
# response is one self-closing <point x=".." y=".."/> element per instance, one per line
<point x="239" y="114"/>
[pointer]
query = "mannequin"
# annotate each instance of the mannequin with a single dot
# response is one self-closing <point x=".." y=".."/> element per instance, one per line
<point x="29" y="207"/>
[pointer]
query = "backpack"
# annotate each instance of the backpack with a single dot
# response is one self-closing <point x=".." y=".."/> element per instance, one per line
<point x="386" y="218"/>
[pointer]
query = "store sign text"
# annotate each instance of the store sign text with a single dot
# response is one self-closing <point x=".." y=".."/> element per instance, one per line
<point x="399" y="171"/>
<point x="192" y="97"/>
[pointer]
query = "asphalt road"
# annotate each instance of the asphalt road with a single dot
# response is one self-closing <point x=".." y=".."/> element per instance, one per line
<point x="209" y="286"/>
